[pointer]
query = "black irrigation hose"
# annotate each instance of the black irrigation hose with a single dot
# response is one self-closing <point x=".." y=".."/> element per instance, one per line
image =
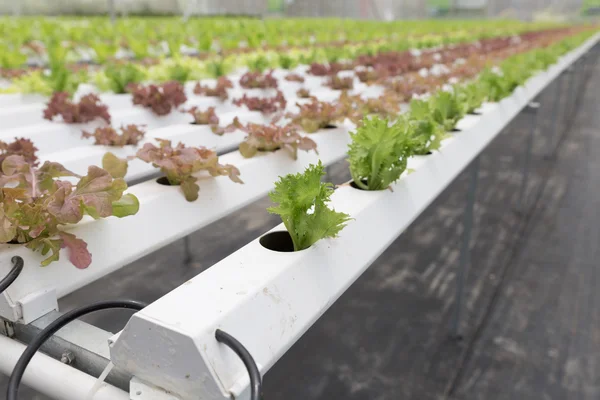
<point x="247" y="359"/>
<point x="13" y="274"/>
<point x="17" y="374"/>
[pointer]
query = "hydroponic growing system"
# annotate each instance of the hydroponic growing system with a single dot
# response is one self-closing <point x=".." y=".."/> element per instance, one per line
<point x="118" y="140"/>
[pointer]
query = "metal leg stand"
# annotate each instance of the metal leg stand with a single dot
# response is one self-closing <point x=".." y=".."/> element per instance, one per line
<point x="188" y="257"/>
<point x="464" y="250"/>
<point x="555" y="107"/>
<point x="570" y="98"/>
<point x="533" y="108"/>
<point x="577" y="79"/>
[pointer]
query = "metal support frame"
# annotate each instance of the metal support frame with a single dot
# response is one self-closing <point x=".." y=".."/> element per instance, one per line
<point x="533" y="107"/>
<point x="79" y="344"/>
<point x="188" y="257"/>
<point x="555" y="111"/>
<point x="464" y="260"/>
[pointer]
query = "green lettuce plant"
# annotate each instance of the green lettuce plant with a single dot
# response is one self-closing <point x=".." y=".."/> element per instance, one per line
<point x="301" y="202"/>
<point x="378" y="153"/>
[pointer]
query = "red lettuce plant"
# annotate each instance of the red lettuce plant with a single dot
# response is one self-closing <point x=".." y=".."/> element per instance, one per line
<point x="273" y="137"/>
<point x="35" y="206"/>
<point x="328" y="69"/>
<point x="316" y="115"/>
<point x="88" y="109"/>
<point x="220" y="130"/>
<point x="266" y="105"/>
<point x="108" y="136"/>
<point x="20" y="147"/>
<point x="159" y="98"/>
<point x="337" y="83"/>
<point x="220" y="90"/>
<point x="294" y="78"/>
<point x="371" y="75"/>
<point x="356" y="108"/>
<point x="303" y="93"/>
<point x="180" y="163"/>
<point x="256" y="80"/>
<point x="208" y="117"/>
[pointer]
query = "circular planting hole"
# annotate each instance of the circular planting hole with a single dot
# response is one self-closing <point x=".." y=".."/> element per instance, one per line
<point x="164" y="181"/>
<point x="279" y="241"/>
<point x="330" y="126"/>
<point x="428" y="153"/>
<point x="454" y="130"/>
<point x="355" y="186"/>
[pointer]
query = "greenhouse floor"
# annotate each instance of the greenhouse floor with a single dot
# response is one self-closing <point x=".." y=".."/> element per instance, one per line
<point x="531" y="323"/>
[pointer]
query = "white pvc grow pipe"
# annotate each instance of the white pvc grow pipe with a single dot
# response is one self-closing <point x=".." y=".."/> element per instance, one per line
<point x="268" y="299"/>
<point x="53" y="378"/>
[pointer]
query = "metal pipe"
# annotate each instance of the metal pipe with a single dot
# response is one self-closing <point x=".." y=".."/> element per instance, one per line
<point x="52" y="378"/>
<point x="464" y="249"/>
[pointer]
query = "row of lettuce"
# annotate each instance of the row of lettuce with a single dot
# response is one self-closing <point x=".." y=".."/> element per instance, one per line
<point x="59" y="75"/>
<point x="38" y="206"/>
<point x="147" y="37"/>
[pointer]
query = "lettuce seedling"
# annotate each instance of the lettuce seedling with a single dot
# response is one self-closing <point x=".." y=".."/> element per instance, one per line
<point x="427" y="135"/>
<point x="220" y="130"/>
<point x="257" y="80"/>
<point x="88" y="109"/>
<point x="35" y="205"/>
<point x="273" y="137"/>
<point x="121" y="76"/>
<point x="317" y="115"/>
<point x="108" y="136"/>
<point x="446" y="109"/>
<point x="356" y="108"/>
<point x="179" y="73"/>
<point x="208" y="117"/>
<point x="303" y="93"/>
<point x="266" y="105"/>
<point x="471" y="96"/>
<point x="218" y="68"/>
<point x="179" y="163"/>
<point x="286" y="61"/>
<point x="220" y="90"/>
<point x="337" y="83"/>
<point x="378" y="153"/>
<point x="258" y="63"/>
<point x="161" y="99"/>
<point x="370" y="76"/>
<point x="294" y="78"/>
<point x="19" y="147"/>
<point x="328" y="69"/>
<point x="302" y="205"/>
